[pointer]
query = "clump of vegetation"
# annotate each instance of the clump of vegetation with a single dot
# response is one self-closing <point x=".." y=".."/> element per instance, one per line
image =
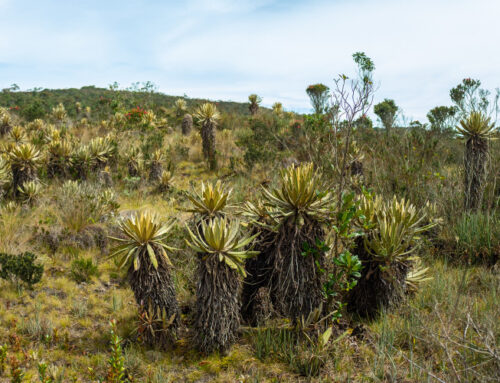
<point x="477" y="130"/>
<point x="187" y="124"/>
<point x="3" y="359"/>
<point x="156" y="165"/>
<point x="332" y="238"/>
<point x="319" y="94"/>
<point x="304" y="356"/>
<point x="478" y="238"/>
<point x="4" y="176"/>
<point x="30" y="191"/>
<point x="59" y="158"/>
<point x="134" y="162"/>
<point x="393" y="232"/>
<point x="256" y="298"/>
<point x="386" y="112"/>
<point x="208" y="116"/>
<point x="301" y="206"/>
<point x="81" y="162"/>
<point x="221" y="260"/>
<point x="5" y="123"/>
<point x="143" y="252"/>
<point x="254" y="102"/>
<point x="25" y="160"/>
<point x="116" y="362"/>
<point x="211" y="202"/>
<point x="82" y="270"/>
<point x="22" y="267"/>
<point x="82" y="205"/>
<point x="165" y="181"/>
<point x="101" y="152"/>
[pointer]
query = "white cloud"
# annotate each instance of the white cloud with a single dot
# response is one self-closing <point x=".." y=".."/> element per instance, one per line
<point x="421" y="49"/>
<point x="224" y="6"/>
<point x="229" y="49"/>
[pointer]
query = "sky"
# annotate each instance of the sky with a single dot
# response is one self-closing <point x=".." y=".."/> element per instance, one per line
<point x="228" y="49"/>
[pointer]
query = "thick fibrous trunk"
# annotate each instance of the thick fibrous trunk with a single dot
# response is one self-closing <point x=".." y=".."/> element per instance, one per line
<point x="258" y="277"/>
<point x="81" y="171"/>
<point x="376" y="290"/>
<point x="476" y="155"/>
<point x="296" y="282"/>
<point x="58" y="167"/>
<point x="356" y="168"/>
<point x="154" y="292"/>
<point x="5" y="129"/>
<point x="155" y="171"/>
<point x="187" y="124"/>
<point x="100" y="165"/>
<point x="20" y="175"/>
<point x="163" y="188"/>
<point x="133" y="169"/>
<point x="105" y="179"/>
<point x="217" y="306"/>
<point x="208" y="142"/>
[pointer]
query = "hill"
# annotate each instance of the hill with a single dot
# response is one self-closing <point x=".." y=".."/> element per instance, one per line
<point x="39" y="102"/>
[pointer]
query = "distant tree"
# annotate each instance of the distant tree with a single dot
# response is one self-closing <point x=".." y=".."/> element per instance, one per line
<point x="187" y="124"/>
<point x="278" y="109"/>
<point x="180" y="106"/>
<point x="114" y="86"/>
<point x="469" y="97"/>
<point x="442" y="118"/>
<point x="59" y="113"/>
<point x="365" y="67"/>
<point x="254" y="101"/>
<point x="386" y="112"/>
<point x="208" y="116"/>
<point x="12" y="88"/>
<point x="477" y="130"/>
<point x="416" y="124"/>
<point x="318" y="93"/>
<point x="363" y="122"/>
<point x="33" y="110"/>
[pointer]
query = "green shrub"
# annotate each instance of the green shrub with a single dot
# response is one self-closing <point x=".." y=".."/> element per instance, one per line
<point x="82" y="270"/>
<point x="478" y="238"/>
<point x="151" y="143"/>
<point x="116" y="362"/>
<point x="21" y="267"/>
<point x="16" y="371"/>
<point x="274" y="342"/>
<point x="132" y="183"/>
<point x="82" y="204"/>
<point x="3" y="358"/>
<point x="261" y="142"/>
<point x="304" y="356"/>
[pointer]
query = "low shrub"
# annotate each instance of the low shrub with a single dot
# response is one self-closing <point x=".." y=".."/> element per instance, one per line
<point x="304" y="356"/>
<point x="81" y="205"/>
<point x="21" y="267"/>
<point x="478" y="238"/>
<point x="82" y="270"/>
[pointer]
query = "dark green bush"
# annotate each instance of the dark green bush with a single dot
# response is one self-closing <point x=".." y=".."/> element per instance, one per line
<point x="82" y="270"/>
<point x="261" y="141"/>
<point x="21" y="267"/>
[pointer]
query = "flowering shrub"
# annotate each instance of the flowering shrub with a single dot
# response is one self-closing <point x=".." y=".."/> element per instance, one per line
<point x="296" y="128"/>
<point x="135" y="115"/>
